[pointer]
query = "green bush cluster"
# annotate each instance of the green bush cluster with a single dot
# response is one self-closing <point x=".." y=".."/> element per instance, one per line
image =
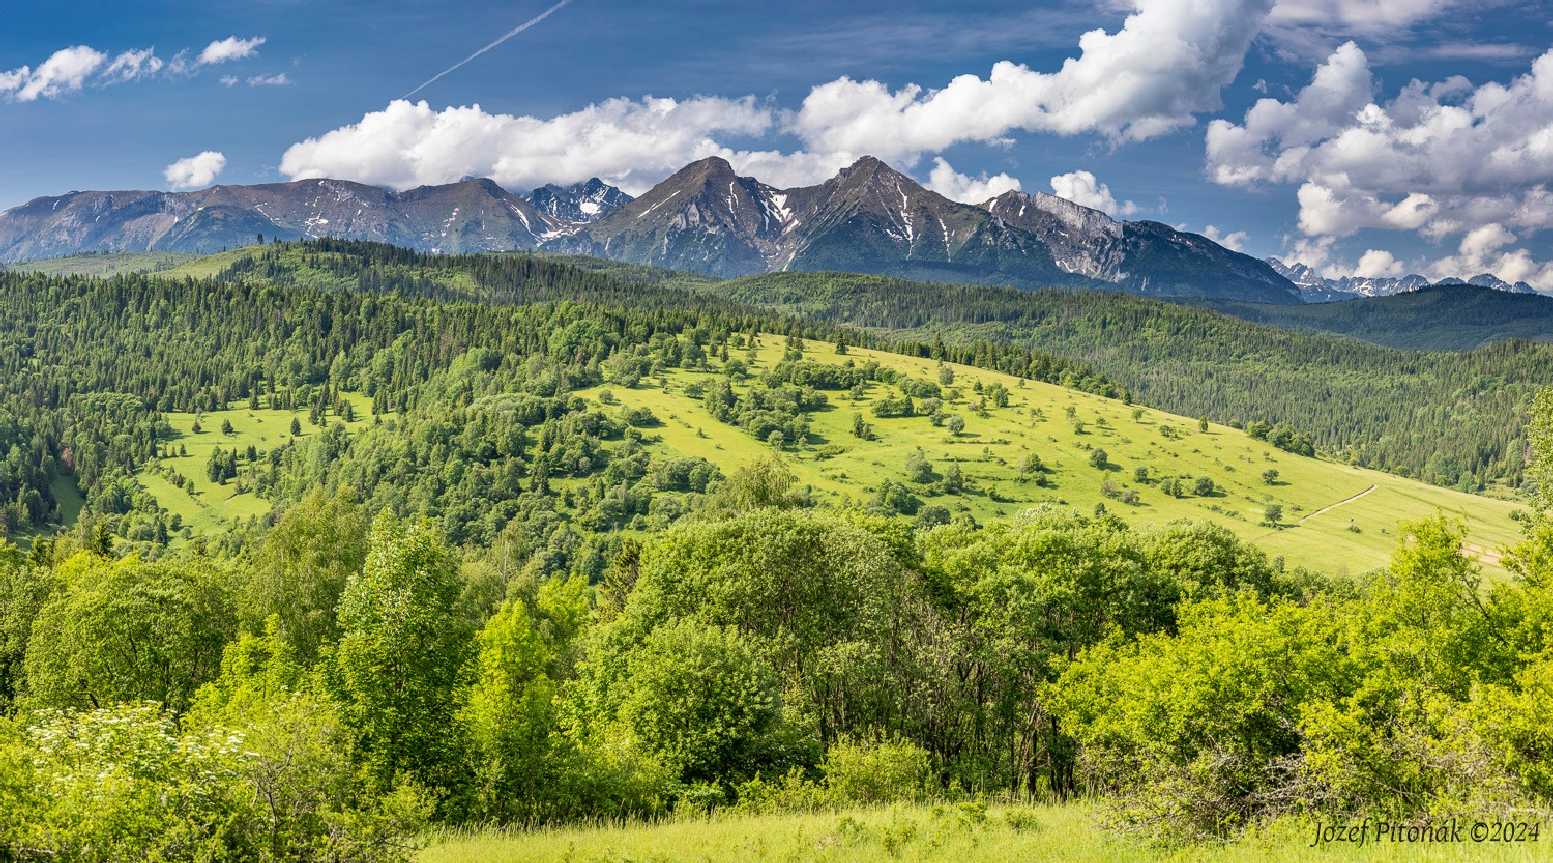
<point x="1419" y="693"/>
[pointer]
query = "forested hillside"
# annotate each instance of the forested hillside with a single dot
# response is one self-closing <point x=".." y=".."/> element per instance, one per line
<point x="1450" y="418"/>
<point x="92" y="367"/>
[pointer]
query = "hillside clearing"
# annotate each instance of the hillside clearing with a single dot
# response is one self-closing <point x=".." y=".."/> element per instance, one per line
<point x="214" y="506"/>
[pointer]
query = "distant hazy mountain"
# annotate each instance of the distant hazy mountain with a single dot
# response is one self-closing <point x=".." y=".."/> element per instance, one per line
<point x="1489" y="280"/>
<point x="472" y="215"/>
<point x="869" y="218"/>
<point x="1319" y="289"/>
<point x="1454" y="315"/>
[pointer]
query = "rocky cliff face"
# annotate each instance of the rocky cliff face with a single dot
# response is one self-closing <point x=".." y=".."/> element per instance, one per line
<point x="1146" y="257"/>
<point x="1082" y="241"/>
<point x="704" y="218"/>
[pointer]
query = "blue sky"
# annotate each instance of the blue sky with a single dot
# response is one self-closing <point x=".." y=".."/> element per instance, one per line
<point x="1363" y="173"/>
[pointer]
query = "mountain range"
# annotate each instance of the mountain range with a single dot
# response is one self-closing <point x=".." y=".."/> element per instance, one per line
<point x="705" y="218"/>
<point x="471" y="215"/>
<point x="1317" y="288"/>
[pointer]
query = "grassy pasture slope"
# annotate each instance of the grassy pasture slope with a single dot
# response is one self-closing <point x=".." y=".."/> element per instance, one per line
<point x="159" y="263"/>
<point x="213" y="506"/>
<point x="206" y="266"/>
<point x="1335" y="517"/>
<point x="1061" y="834"/>
<point x="107" y="263"/>
<point x="840" y="466"/>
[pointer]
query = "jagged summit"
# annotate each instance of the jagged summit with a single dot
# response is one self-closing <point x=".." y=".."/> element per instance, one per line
<point x="579" y="203"/>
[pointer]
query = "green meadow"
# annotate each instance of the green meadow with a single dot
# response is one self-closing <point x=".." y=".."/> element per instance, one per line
<point x="1335" y="517"/>
<point x="110" y="263"/>
<point x="157" y="263"/>
<point x="206" y="266"/>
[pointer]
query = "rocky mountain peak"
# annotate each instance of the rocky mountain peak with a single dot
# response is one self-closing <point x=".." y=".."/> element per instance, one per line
<point x="1026" y="208"/>
<point x="709" y="170"/>
<point x="579" y="203"/>
<point x="870" y="171"/>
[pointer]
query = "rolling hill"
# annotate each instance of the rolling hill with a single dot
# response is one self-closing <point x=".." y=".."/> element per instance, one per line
<point x="1379" y="407"/>
<point x="1336" y="518"/>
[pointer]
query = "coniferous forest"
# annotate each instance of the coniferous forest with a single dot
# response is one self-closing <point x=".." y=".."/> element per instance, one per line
<point x="474" y="598"/>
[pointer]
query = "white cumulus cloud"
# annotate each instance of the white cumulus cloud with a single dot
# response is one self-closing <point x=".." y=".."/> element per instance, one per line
<point x="1166" y="64"/>
<point x="955" y="186"/>
<point x="1082" y="187"/>
<point x="1443" y="159"/>
<point x="1233" y="240"/>
<point x="1484" y="249"/>
<point x="229" y="49"/>
<point x="1377" y="263"/>
<point x="1439" y="157"/>
<point x="65" y="71"/>
<point x="632" y="143"/>
<point x="195" y="171"/>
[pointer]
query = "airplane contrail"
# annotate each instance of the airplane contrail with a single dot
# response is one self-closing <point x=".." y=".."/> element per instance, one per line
<point x="505" y="36"/>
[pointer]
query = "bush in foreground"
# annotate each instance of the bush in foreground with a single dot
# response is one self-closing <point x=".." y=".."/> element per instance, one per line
<point x="126" y="783"/>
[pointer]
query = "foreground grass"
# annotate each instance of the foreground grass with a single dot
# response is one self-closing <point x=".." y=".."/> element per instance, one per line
<point x="1062" y="834"/>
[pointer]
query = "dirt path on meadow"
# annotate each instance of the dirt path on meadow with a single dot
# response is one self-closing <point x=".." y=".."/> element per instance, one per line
<point x="1331" y="507"/>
